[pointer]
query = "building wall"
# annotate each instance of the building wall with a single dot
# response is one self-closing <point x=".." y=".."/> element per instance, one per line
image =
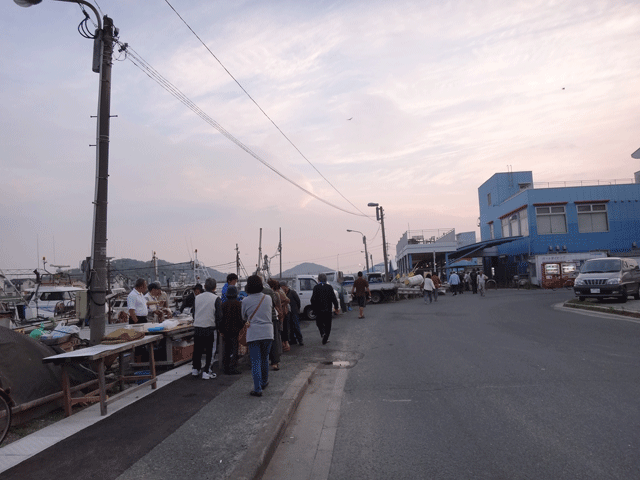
<point x="623" y="217"/>
<point x="497" y="192"/>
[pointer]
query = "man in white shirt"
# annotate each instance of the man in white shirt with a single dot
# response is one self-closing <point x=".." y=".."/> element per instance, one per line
<point x="454" y="281"/>
<point x="137" y="303"/>
<point x="208" y="313"/>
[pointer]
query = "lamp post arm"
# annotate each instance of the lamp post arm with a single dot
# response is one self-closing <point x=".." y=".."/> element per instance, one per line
<point x="87" y="4"/>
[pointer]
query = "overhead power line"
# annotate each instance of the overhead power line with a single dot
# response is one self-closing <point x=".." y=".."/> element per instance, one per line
<point x="260" y="108"/>
<point x="139" y="62"/>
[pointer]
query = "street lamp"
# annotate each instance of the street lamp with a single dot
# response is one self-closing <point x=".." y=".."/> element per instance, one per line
<point x="364" y="240"/>
<point x="380" y="218"/>
<point x="103" y="47"/>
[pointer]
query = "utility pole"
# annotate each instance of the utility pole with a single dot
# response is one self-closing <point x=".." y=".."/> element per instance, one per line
<point x="154" y="259"/>
<point x="380" y="218"/>
<point x="366" y="256"/>
<point x="237" y="261"/>
<point x="280" y="252"/>
<point x="259" y="253"/>
<point x="384" y="247"/>
<point x="98" y="284"/>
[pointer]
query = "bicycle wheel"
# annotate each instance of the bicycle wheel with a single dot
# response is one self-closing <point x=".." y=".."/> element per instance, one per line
<point x="5" y="418"/>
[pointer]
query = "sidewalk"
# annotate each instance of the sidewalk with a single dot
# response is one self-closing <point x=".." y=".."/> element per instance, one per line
<point x="631" y="308"/>
<point x="187" y="428"/>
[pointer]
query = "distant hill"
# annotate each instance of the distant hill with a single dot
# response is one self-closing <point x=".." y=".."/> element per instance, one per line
<point x="305" y="269"/>
<point x="127" y="268"/>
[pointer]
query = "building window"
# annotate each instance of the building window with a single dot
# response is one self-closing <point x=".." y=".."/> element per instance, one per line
<point x="524" y="222"/>
<point x="592" y="217"/>
<point x="516" y="224"/>
<point x="505" y="227"/>
<point x="491" y="231"/>
<point x="551" y="220"/>
<point x="489" y="199"/>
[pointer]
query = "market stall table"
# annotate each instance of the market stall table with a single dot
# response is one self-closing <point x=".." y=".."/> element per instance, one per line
<point x="175" y="356"/>
<point x="97" y="355"/>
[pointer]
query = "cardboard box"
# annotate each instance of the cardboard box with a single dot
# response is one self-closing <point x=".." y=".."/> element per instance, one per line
<point x="182" y="353"/>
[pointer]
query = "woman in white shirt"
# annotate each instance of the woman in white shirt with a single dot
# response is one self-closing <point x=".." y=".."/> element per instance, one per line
<point x="429" y="288"/>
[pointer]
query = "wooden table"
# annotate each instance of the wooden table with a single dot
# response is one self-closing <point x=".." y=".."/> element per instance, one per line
<point x="97" y="354"/>
<point x="177" y="333"/>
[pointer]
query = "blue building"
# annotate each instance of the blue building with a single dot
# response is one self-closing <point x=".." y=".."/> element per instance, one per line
<point x="544" y="232"/>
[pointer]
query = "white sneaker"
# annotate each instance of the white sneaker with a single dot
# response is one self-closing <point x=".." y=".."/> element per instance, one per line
<point x="207" y="376"/>
<point x="195" y="372"/>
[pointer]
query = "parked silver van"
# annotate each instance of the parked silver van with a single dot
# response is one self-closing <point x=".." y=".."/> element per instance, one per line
<point x="608" y="277"/>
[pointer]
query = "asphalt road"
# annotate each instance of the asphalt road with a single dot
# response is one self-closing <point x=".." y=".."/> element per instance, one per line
<point x="501" y="387"/>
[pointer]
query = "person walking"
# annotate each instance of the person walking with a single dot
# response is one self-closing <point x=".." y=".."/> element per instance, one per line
<point x="295" y="335"/>
<point x="208" y="312"/>
<point x="482" y="282"/>
<point x="230" y="327"/>
<point x="454" y="281"/>
<point x="428" y="288"/>
<point x="361" y="291"/>
<point x="257" y="310"/>
<point x="474" y="280"/>
<point x="436" y="283"/>
<point x="322" y="298"/>
<point x="283" y="314"/>
<point x="276" y="344"/>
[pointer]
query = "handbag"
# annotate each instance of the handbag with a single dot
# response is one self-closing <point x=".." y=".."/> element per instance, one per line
<point x="242" y="337"/>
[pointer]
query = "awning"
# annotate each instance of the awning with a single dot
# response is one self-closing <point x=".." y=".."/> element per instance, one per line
<point x="470" y="250"/>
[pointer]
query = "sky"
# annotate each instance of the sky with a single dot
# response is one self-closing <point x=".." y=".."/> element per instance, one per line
<point x="409" y="104"/>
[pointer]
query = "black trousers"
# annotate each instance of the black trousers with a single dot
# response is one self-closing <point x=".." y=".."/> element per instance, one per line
<point x="203" y="340"/>
<point x="323" y="322"/>
<point x="230" y="358"/>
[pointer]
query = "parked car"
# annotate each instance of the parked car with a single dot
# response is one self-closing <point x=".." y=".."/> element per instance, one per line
<point x="608" y="277"/>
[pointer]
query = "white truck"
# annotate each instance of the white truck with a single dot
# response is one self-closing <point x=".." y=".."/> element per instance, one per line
<point x="303" y="285"/>
<point x="380" y="290"/>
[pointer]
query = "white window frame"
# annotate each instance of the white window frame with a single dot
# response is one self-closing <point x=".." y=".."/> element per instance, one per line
<point x="551" y="219"/>
<point x="516" y="224"/>
<point x="523" y="215"/>
<point x="586" y="214"/>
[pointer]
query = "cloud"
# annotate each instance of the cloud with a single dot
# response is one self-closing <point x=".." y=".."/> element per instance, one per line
<point x="441" y="96"/>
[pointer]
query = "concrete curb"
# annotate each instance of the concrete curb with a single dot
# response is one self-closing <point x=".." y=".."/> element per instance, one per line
<point x="593" y="312"/>
<point x="254" y="462"/>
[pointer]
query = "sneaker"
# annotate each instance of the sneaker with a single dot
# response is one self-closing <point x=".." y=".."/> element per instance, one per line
<point x="195" y="372"/>
<point x="207" y="376"/>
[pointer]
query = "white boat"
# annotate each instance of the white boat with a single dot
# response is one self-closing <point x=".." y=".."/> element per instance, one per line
<point x="47" y="301"/>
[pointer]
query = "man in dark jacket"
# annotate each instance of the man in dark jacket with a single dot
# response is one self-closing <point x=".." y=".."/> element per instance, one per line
<point x="190" y="300"/>
<point x="230" y="327"/>
<point x="322" y="298"/>
<point x="294" y="311"/>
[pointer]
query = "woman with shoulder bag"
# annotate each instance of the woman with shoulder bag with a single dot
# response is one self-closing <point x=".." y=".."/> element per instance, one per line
<point x="256" y="311"/>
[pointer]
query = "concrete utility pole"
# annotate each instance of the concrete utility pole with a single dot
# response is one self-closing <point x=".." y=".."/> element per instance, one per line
<point x="380" y="218"/>
<point x="98" y="284"/>
<point x="280" y="252"/>
<point x="237" y="261"/>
